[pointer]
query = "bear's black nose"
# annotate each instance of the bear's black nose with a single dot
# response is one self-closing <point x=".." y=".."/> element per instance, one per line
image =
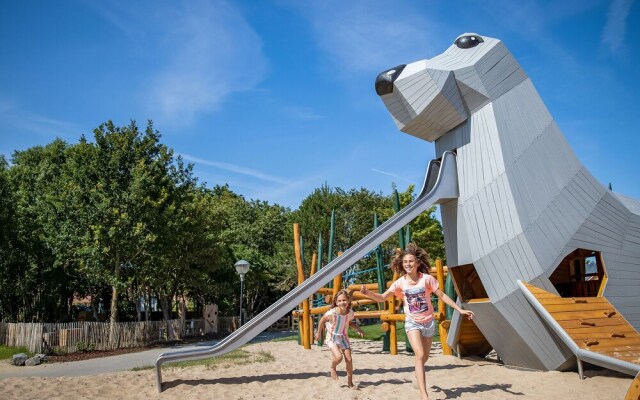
<point x="384" y="81"/>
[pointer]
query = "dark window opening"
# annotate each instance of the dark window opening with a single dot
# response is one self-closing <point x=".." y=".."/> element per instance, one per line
<point x="580" y="274"/>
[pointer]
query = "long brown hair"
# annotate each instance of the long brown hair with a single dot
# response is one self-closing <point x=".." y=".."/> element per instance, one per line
<point x="418" y="252"/>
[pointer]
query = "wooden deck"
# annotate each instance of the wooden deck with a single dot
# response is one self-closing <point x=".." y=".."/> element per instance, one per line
<point x="593" y="324"/>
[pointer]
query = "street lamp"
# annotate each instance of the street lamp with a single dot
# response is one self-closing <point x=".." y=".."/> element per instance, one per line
<point x="242" y="267"/>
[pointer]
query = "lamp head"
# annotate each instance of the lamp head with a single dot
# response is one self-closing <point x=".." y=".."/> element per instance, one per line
<point x="242" y="267"/>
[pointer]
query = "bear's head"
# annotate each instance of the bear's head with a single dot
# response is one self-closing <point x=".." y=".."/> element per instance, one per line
<point x="428" y="98"/>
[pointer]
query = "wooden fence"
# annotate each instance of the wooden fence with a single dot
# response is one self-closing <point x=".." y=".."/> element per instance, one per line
<point x="70" y="337"/>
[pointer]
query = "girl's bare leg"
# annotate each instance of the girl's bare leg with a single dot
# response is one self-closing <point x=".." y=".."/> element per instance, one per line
<point x="336" y="358"/>
<point x="421" y="347"/>
<point x="348" y="360"/>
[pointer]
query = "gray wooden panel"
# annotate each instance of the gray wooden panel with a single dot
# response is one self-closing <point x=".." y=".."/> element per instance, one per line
<point x="455" y="58"/>
<point x="523" y="198"/>
<point x="418" y="90"/>
<point x="499" y="333"/>
<point x="489" y="269"/>
<point x="480" y="158"/>
<point x="545" y="251"/>
<point x="455" y="139"/>
<point x="398" y="108"/>
<point x="500" y="72"/>
<point x="449" y="213"/>
<point x="527" y="256"/>
<point x="454" y="329"/>
<point x="475" y="227"/>
<point x="469" y="77"/>
<point x="521" y="117"/>
<point x="529" y="334"/>
<point x="632" y="204"/>
<point x="553" y="347"/>
<point x="473" y="99"/>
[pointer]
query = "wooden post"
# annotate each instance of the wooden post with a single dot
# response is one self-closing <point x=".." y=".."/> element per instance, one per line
<point x="304" y="321"/>
<point x="314" y="259"/>
<point x="443" y="324"/>
<point x="337" y="282"/>
<point x="393" y="336"/>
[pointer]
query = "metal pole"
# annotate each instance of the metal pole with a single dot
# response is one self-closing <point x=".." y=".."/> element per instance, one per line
<point x="241" y="290"/>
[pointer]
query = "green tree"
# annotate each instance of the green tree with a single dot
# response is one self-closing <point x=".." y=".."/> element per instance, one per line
<point x="259" y="227"/>
<point x="8" y="295"/>
<point x="354" y="212"/>
<point x="45" y="280"/>
<point x="122" y="190"/>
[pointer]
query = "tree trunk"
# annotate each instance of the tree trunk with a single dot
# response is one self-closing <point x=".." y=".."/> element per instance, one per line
<point x="138" y="300"/>
<point x="147" y="305"/>
<point x="113" y="318"/>
<point x="94" y="306"/>
<point x="165" y="303"/>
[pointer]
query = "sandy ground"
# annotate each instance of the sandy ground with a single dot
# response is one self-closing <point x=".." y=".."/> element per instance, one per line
<point x="303" y="374"/>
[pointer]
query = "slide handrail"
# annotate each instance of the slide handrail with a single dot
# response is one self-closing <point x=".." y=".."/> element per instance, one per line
<point x="442" y="187"/>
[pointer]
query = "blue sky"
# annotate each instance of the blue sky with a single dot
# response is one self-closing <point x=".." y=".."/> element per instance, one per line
<point x="276" y="97"/>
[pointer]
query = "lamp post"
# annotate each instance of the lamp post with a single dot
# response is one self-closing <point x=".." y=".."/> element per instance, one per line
<point x="242" y="267"/>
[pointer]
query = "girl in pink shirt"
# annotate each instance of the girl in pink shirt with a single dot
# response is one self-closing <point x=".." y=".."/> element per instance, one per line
<point x="337" y="321"/>
<point x="416" y="287"/>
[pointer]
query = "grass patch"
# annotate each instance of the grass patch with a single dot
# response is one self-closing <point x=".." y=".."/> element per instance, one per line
<point x="7" y="352"/>
<point x="374" y="332"/>
<point x="236" y="357"/>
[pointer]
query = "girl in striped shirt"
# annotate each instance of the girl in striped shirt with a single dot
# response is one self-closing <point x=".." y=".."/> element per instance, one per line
<point x="337" y="321"/>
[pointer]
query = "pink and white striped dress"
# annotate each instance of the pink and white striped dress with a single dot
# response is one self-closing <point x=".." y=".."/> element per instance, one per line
<point x="336" y="327"/>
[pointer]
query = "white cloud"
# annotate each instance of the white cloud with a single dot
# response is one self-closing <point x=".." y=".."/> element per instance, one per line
<point x="236" y="169"/>
<point x="362" y="36"/>
<point x="391" y="175"/>
<point x="614" y="30"/>
<point x="17" y="119"/>
<point x="198" y="52"/>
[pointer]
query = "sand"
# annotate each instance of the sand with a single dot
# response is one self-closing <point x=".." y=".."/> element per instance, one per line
<point x="303" y="374"/>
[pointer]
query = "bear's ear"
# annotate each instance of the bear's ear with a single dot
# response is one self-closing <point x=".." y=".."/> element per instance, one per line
<point x="468" y="40"/>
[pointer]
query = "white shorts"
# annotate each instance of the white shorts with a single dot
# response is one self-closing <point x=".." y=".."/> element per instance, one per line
<point x="427" y="330"/>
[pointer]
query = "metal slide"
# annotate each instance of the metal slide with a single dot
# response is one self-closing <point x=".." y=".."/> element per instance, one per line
<point x="440" y="184"/>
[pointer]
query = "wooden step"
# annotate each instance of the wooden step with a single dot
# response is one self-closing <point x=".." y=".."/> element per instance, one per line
<point x="593" y="314"/>
<point x="627" y="330"/>
<point x="600" y="335"/>
<point x="571" y="300"/>
<point x="614" y="324"/>
<point x="573" y="307"/>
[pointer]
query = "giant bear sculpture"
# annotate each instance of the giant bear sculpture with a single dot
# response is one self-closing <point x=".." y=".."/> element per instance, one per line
<point x="527" y="207"/>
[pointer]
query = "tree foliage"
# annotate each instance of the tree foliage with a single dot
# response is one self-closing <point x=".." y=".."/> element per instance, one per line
<point x="119" y="218"/>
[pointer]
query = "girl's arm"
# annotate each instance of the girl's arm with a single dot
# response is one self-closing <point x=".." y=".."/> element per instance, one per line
<point x="443" y="296"/>
<point x="320" y="327"/>
<point x="375" y="296"/>
<point x="357" y="329"/>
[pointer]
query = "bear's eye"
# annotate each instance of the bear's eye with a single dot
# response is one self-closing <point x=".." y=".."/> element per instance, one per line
<point x="468" y="41"/>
